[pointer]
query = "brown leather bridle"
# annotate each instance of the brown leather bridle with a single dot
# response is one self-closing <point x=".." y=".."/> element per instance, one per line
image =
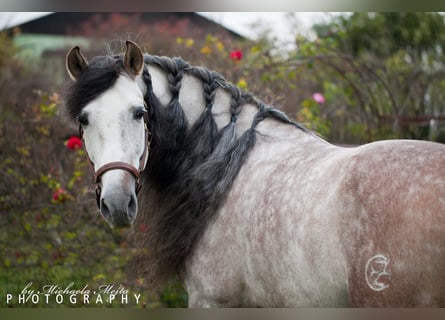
<point x="120" y="165"/>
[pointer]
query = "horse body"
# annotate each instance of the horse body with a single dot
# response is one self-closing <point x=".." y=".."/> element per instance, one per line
<point x="251" y="209"/>
<point x="311" y="247"/>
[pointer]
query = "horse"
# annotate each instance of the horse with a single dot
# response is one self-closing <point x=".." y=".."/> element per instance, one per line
<point x="248" y="207"/>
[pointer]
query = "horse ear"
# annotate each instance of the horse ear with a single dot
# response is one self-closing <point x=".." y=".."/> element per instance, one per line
<point x="75" y="63"/>
<point x="133" y="60"/>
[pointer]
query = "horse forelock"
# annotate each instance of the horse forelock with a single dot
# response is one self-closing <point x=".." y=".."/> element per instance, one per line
<point x="100" y="75"/>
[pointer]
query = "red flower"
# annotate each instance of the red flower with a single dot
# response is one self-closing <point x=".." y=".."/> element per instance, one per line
<point x="74" y="143"/>
<point x="59" y="195"/>
<point x="236" y="55"/>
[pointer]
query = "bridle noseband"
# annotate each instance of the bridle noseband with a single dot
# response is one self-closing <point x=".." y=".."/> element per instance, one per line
<point x="120" y="165"/>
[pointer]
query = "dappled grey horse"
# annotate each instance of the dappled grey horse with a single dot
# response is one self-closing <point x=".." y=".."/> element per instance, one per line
<point x="249" y="207"/>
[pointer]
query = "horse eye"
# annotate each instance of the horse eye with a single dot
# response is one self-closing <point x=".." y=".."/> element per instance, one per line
<point x="139" y="113"/>
<point x="83" y="119"/>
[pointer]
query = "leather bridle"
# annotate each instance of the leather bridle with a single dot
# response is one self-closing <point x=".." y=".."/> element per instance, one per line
<point x="120" y="165"/>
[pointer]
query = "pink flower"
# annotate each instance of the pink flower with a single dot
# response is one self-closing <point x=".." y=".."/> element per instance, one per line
<point x="236" y="55"/>
<point x="319" y="98"/>
<point x="74" y="143"/>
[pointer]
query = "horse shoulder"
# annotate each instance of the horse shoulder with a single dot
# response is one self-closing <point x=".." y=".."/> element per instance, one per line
<point x="270" y="229"/>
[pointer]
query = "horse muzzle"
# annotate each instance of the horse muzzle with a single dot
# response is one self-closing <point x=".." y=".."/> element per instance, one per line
<point x="119" y="208"/>
<point x="117" y="201"/>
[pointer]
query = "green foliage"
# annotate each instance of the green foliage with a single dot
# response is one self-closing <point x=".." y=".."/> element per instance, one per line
<point x="390" y="68"/>
<point x="174" y="295"/>
<point x="7" y="50"/>
<point x="310" y="115"/>
<point x="384" y="34"/>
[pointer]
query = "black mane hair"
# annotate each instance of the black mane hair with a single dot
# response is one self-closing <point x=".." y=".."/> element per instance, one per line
<point x="190" y="169"/>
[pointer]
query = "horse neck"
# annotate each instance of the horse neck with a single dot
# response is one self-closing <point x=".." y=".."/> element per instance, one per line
<point x="197" y="116"/>
<point x="203" y="130"/>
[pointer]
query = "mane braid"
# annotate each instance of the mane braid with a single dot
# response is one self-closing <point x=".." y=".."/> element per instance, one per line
<point x="190" y="170"/>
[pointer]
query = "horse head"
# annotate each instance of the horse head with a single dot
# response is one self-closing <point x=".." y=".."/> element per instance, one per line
<point x="107" y="99"/>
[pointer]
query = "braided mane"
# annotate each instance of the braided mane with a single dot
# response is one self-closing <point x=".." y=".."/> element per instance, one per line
<point x="190" y="170"/>
<point x="212" y="80"/>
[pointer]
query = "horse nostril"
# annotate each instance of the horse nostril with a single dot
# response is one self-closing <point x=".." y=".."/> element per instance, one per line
<point x="132" y="207"/>
<point x="104" y="209"/>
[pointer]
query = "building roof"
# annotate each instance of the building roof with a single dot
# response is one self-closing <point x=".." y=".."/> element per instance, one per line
<point x="9" y="20"/>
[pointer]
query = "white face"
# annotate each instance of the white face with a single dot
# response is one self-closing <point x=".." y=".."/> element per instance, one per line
<point x="114" y="130"/>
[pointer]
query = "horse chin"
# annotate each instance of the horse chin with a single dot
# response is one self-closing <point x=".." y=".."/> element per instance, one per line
<point x="120" y="226"/>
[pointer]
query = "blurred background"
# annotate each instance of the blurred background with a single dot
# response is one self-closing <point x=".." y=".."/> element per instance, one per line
<point x="352" y="77"/>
